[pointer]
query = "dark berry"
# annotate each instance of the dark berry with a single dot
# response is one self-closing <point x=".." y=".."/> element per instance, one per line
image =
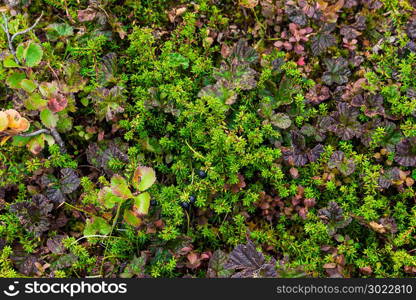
<point x="153" y="202"/>
<point x="202" y="174"/>
<point x="185" y="205"/>
<point x="192" y="199"/>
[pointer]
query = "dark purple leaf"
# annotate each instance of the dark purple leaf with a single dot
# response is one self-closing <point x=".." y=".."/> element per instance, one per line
<point x="296" y="15"/>
<point x="315" y="152"/>
<point x="333" y="216"/>
<point x="387" y="177"/>
<point x="34" y="215"/>
<point x="249" y="262"/>
<point x="411" y="30"/>
<point x="321" y="42"/>
<point x="55" y="245"/>
<point x="298" y="140"/>
<point x="339" y="161"/>
<point x="28" y="266"/>
<point x="55" y="195"/>
<point x="344" y="122"/>
<point x="69" y="181"/>
<point x="100" y="154"/>
<point x="349" y="32"/>
<point x="406" y="152"/>
<point x="373" y="104"/>
<point x="337" y="71"/>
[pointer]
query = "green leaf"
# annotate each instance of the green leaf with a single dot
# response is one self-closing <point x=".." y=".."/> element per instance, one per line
<point x="32" y="55"/>
<point x="143" y="178"/>
<point x="19" y="52"/>
<point x="102" y="226"/>
<point x="55" y="31"/>
<point x="48" y="118"/>
<point x="35" y="102"/>
<point x="65" y="124"/>
<point x="135" y="267"/>
<point x="14" y="79"/>
<point x="120" y="187"/>
<point x="97" y="225"/>
<point x="49" y="139"/>
<point x="176" y="60"/>
<point x="36" y="144"/>
<point x="48" y="89"/>
<point x="28" y="85"/>
<point x="9" y="62"/>
<point x="20" y="141"/>
<point x="142" y="204"/>
<point x="131" y="219"/>
<point x="285" y="92"/>
<point x="64" y="261"/>
<point x="107" y="197"/>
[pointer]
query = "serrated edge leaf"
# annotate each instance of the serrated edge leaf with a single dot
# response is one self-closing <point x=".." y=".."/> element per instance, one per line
<point x="48" y="118"/>
<point x="28" y="85"/>
<point x="16" y="76"/>
<point x="34" y="58"/>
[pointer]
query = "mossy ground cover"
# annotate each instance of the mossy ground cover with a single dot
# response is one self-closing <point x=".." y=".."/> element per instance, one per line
<point x="156" y="138"/>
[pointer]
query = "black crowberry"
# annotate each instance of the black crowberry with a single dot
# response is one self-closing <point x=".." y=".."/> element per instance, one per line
<point x="192" y="199"/>
<point x="202" y="174"/>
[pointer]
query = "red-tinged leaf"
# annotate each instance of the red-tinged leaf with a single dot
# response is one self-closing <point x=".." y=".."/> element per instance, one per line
<point x="143" y="178"/>
<point x="86" y="15"/>
<point x="57" y="104"/>
<point x="36" y="144"/>
<point x="120" y="188"/>
<point x="194" y="260"/>
<point x="131" y="219"/>
<point x="142" y="204"/>
<point x="107" y="197"/>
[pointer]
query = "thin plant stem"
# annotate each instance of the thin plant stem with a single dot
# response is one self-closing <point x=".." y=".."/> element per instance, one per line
<point x="194" y="151"/>
<point x="111" y="232"/>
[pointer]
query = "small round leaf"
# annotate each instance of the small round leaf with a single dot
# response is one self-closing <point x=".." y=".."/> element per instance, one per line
<point x="48" y="118"/>
<point x="32" y="55"/>
<point x="120" y="187"/>
<point x="144" y="178"/>
<point x="142" y="204"/>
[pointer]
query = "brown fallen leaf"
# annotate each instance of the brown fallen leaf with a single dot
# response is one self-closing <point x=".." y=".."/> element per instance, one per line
<point x="377" y="227"/>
